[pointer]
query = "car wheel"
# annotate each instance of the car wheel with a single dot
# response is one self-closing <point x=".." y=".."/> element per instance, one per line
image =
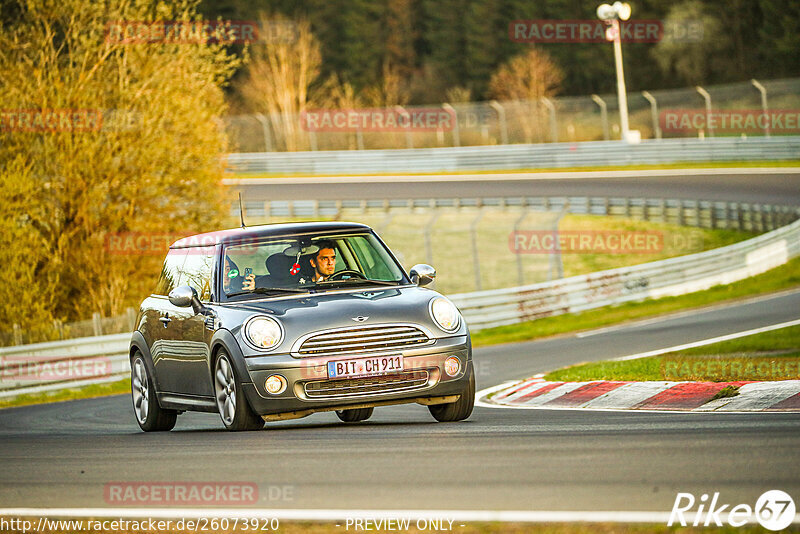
<point x="232" y="405"/>
<point x="352" y="416"/>
<point x="150" y="416"/>
<point x="459" y="410"/>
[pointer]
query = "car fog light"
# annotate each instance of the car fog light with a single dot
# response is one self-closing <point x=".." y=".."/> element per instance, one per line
<point x="452" y="366"/>
<point x="275" y="384"/>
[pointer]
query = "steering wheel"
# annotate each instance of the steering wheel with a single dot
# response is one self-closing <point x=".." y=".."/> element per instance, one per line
<point x="338" y="275"/>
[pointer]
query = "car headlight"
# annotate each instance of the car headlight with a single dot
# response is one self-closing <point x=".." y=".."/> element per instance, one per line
<point x="263" y="332"/>
<point x="445" y="314"/>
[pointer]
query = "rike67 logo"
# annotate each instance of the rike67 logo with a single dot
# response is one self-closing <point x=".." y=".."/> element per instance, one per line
<point x="773" y="510"/>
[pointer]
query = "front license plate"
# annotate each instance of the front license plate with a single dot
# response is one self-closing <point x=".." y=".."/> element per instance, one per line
<point x="376" y="365"/>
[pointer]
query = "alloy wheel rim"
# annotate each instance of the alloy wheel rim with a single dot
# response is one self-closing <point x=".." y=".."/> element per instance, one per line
<point x="139" y="390"/>
<point x="225" y="390"/>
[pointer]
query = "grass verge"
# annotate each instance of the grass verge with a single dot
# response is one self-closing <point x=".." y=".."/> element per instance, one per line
<point x="784" y="277"/>
<point x="85" y="392"/>
<point x="768" y="356"/>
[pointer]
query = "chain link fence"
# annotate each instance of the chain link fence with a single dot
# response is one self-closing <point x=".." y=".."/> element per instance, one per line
<point x="565" y="119"/>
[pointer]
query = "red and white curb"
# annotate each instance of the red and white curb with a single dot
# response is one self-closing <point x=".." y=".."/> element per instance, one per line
<point x="777" y="396"/>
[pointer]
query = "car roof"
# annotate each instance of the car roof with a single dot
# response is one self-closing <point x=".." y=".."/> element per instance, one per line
<point x="250" y="233"/>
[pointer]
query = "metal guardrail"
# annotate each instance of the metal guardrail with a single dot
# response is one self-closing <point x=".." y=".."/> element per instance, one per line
<point x="670" y="277"/>
<point x="482" y="309"/>
<point x="752" y="217"/>
<point x="498" y="157"/>
<point x="57" y="365"/>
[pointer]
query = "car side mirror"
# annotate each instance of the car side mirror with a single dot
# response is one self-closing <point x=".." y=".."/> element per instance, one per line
<point x="185" y="296"/>
<point x="422" y="274"/>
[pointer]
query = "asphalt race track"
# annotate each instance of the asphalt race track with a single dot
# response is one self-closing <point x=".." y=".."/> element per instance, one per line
<point x="63" y="455"/>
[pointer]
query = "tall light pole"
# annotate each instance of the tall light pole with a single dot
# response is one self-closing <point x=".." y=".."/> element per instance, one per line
<point x="612" y="15"/>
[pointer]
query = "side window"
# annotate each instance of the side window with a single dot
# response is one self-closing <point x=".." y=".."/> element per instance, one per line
<point x="196" y="271"/>
<point x="170" y="271"/>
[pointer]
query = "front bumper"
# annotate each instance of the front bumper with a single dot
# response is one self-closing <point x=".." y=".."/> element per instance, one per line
<point x="431" y="385"/>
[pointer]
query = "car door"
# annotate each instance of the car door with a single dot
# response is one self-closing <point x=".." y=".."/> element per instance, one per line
<point x="190" y="365"/>
<point x="159" y="316"/>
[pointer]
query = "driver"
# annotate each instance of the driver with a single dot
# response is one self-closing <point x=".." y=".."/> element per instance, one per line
<point x="324" y="261"/>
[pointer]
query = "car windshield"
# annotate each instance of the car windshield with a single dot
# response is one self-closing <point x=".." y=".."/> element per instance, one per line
<point x="296" y="264"/>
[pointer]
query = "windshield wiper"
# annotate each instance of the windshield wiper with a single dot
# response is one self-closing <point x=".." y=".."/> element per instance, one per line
<point x="330" y="283"/>
<point x="267" y="290"/>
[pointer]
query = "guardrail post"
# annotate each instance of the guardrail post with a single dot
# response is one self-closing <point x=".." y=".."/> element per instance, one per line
<point x="739" y="217"/>
<point x="265" y="129"/>
<point x="653" y="113"/>
<point x="763" y="91"/>
<point x="603" y="115"/>
<point x="17" y="334"/>
<point x="501" y="118"/>
<point x="97" y="326"/>
<point x="473" y="232"/>
<point x="765" y="215"/>
<point x="456" y="133"/>
<point x="707" y="98"/>
<point x="553" y="124"/>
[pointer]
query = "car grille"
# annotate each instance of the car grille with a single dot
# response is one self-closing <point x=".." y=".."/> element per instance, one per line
<point x="366" y="385"/>
<point x="369" y="338"/>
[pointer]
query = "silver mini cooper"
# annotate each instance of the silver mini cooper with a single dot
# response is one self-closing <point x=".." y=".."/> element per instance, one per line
<point x="280" y="321"/>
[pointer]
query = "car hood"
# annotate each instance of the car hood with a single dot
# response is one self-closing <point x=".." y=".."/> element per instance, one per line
<point x="339" y="309"/>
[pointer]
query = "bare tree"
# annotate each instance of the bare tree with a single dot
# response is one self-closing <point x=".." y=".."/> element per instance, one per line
<point x="279" y="78"/>
<point x="526" y="79"/>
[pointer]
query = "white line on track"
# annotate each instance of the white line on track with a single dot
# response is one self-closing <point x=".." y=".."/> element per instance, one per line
<point x="299" y="514"/>
<point x="709" y="341"/>
<point x="686" y="313"/>
<point x="510" y="176"/>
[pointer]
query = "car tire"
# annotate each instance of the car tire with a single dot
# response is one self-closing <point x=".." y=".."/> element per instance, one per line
<point x="355" y="415"/>
<point x="149" y="414"/>
<point x="459" y="410"/>
<point x="232" y="405"/>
